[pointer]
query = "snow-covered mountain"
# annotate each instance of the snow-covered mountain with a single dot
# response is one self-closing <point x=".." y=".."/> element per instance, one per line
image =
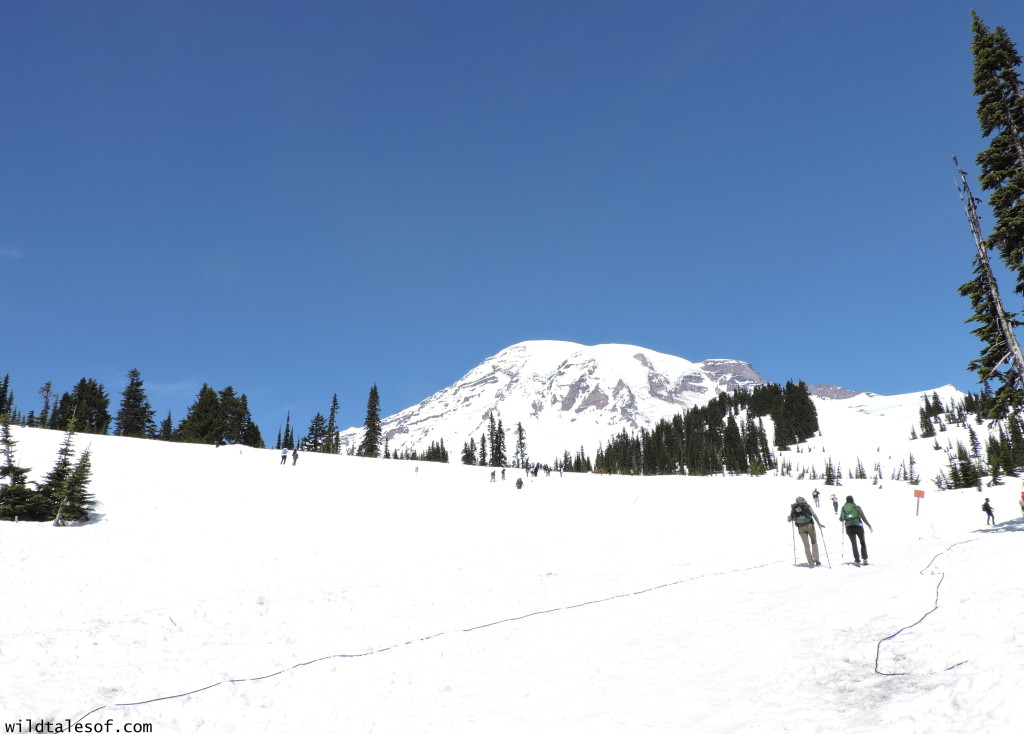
<point x="566" y="395"/>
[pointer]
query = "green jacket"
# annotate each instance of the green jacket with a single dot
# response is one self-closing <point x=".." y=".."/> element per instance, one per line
<point x="851" y="515"/>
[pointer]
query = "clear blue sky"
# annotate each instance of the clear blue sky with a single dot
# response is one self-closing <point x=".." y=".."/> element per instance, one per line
<point x="306" y="198"/>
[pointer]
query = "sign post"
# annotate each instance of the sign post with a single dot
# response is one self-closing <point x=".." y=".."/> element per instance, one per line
<point x="919" y="493"/>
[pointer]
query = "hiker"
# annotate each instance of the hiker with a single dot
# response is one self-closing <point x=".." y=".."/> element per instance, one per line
<point x="519" y="483"/>
<point x="815" y="494"/>
<point x="804" y="518"/>
<point x="988" y="513"/>
<point x="835" y="504"/>
<point x="503" y="474"/>
<point x="284" y="456"/>
<point x="853" y="517"/>
<point x="1022" y="504"/>
<point x="295" y="456"/>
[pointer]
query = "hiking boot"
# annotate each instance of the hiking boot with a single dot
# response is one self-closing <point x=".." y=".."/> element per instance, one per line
<point x="856" y="563"/>
<point x="817" y="563"/>
<point x="864" y="562"/>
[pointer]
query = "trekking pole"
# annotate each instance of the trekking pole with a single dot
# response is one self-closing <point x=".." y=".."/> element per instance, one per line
<point x="792" y="526"/>
<point x="825" y="546"/>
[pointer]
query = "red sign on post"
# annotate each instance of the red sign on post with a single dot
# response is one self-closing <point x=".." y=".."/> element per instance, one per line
<point x="919" y="493"/>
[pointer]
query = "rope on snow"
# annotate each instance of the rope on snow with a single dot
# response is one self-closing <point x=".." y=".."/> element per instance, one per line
<point x="421" y="639"/>
<point x="942" y="577"/>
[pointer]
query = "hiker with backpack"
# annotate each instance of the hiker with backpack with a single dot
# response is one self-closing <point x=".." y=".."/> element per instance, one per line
<point x="990" y="519"/>
<point x="803" y="517"/>
<point x="852" y="516"/>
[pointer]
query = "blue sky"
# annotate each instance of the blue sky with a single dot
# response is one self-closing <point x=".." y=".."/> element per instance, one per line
<point x="306" y="198"/>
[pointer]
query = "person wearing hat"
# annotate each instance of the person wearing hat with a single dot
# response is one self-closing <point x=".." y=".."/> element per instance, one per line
<point x="804" y="518"/>
<point x="990" y="519"/>
<point x="853" y="518"/>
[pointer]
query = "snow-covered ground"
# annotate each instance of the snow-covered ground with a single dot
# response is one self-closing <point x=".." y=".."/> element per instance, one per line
<point x="220" y="591"/>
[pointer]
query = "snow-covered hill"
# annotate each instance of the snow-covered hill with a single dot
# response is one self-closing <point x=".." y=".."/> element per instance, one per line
<point x="566" y="395"/>
<point x="218" y="590"/>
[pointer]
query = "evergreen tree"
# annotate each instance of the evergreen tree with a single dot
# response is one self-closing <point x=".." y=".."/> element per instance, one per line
<point x="997" y="84"/>
<point x="482" y="459"/>
<point x="75" y="501"/>
<point x="333" y="443"/>
<point x="521" y="460"/>
<point x="166" y="432"/>
<point x="88" y="404"/>
<point x="135" y="417"/>
<point x="17" y="500"/>
<point x="46" y="393"/>
<point x="318" y="436"/>
<point x="497" y="442"/>
<point x="469" y="452"/>
<point x="204" y="422"/>
<point x="372" y="435"/>
<point x="6" y="397"/>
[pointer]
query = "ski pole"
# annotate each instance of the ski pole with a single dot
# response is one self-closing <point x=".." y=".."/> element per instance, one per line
<point x="825" y="546"/>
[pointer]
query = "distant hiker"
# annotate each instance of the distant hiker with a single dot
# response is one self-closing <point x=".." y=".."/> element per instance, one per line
<point x="1022" y="505"/>
<point x="815" y="494"/>
<point x="519" y="483"/>
<point x="295" y="456"/>
<point x="492" y="475"/>
<point x="284" y="456"/>
<point x="835" y="504"/>
<point x="988" y="513"/>
<point x="503" y="474"/>
<point x="853" y="517"/>
<point x="804" y="518"/>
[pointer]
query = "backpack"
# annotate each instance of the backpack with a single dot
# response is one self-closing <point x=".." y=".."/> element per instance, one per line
<point x="851" y="514"/>
<point x="801" y="513"/>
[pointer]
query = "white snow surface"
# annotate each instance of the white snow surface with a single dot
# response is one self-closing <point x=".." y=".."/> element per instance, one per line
<point x="219" y="591"/>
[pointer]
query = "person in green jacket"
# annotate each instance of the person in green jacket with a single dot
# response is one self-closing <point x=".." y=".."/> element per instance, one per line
<point x="852" y="516"/>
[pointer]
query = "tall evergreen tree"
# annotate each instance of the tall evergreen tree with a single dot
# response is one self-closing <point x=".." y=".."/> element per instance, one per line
<point x="372" y="435"/>
<point x="997" y="84"/>
<point x="135" y="417"/>
<point x="333" y="443"/>
<point x="521" y="457"/>
<point x="6" y="397"/>
<point x="317" y="437"/>
<point x="48" y="396"/>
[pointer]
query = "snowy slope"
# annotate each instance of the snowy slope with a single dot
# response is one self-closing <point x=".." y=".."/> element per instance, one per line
<point x="220" y="591"/>
<point x="566" y="395"/>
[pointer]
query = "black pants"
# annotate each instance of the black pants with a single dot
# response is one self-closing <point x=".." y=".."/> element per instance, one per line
<point x="855" y="532"/>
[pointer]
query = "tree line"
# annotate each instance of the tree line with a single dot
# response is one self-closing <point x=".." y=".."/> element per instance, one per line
<point x="726" y="435"/>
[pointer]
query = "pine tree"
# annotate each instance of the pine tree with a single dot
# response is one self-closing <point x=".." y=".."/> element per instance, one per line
<point x="997" y="83"/>
<point x="333" y="443"/>
<point x="46" y="393"/>
<point x="6" y="397"/>
<point x="166" y="432"/>
<point x="469" y="452"/>
<point x="521" y="457"/>
<point x="75" y="502"/>
<point x="17" y="500"/>
<point x="135" y="417"/>
<point x="372" y="435"/>
<point x="88" y="404"/>
<point x="203" y="423"/>
<point x="317" y="436"/>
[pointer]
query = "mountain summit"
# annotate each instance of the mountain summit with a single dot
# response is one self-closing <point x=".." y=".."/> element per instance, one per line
<point x="566" y="395"/>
